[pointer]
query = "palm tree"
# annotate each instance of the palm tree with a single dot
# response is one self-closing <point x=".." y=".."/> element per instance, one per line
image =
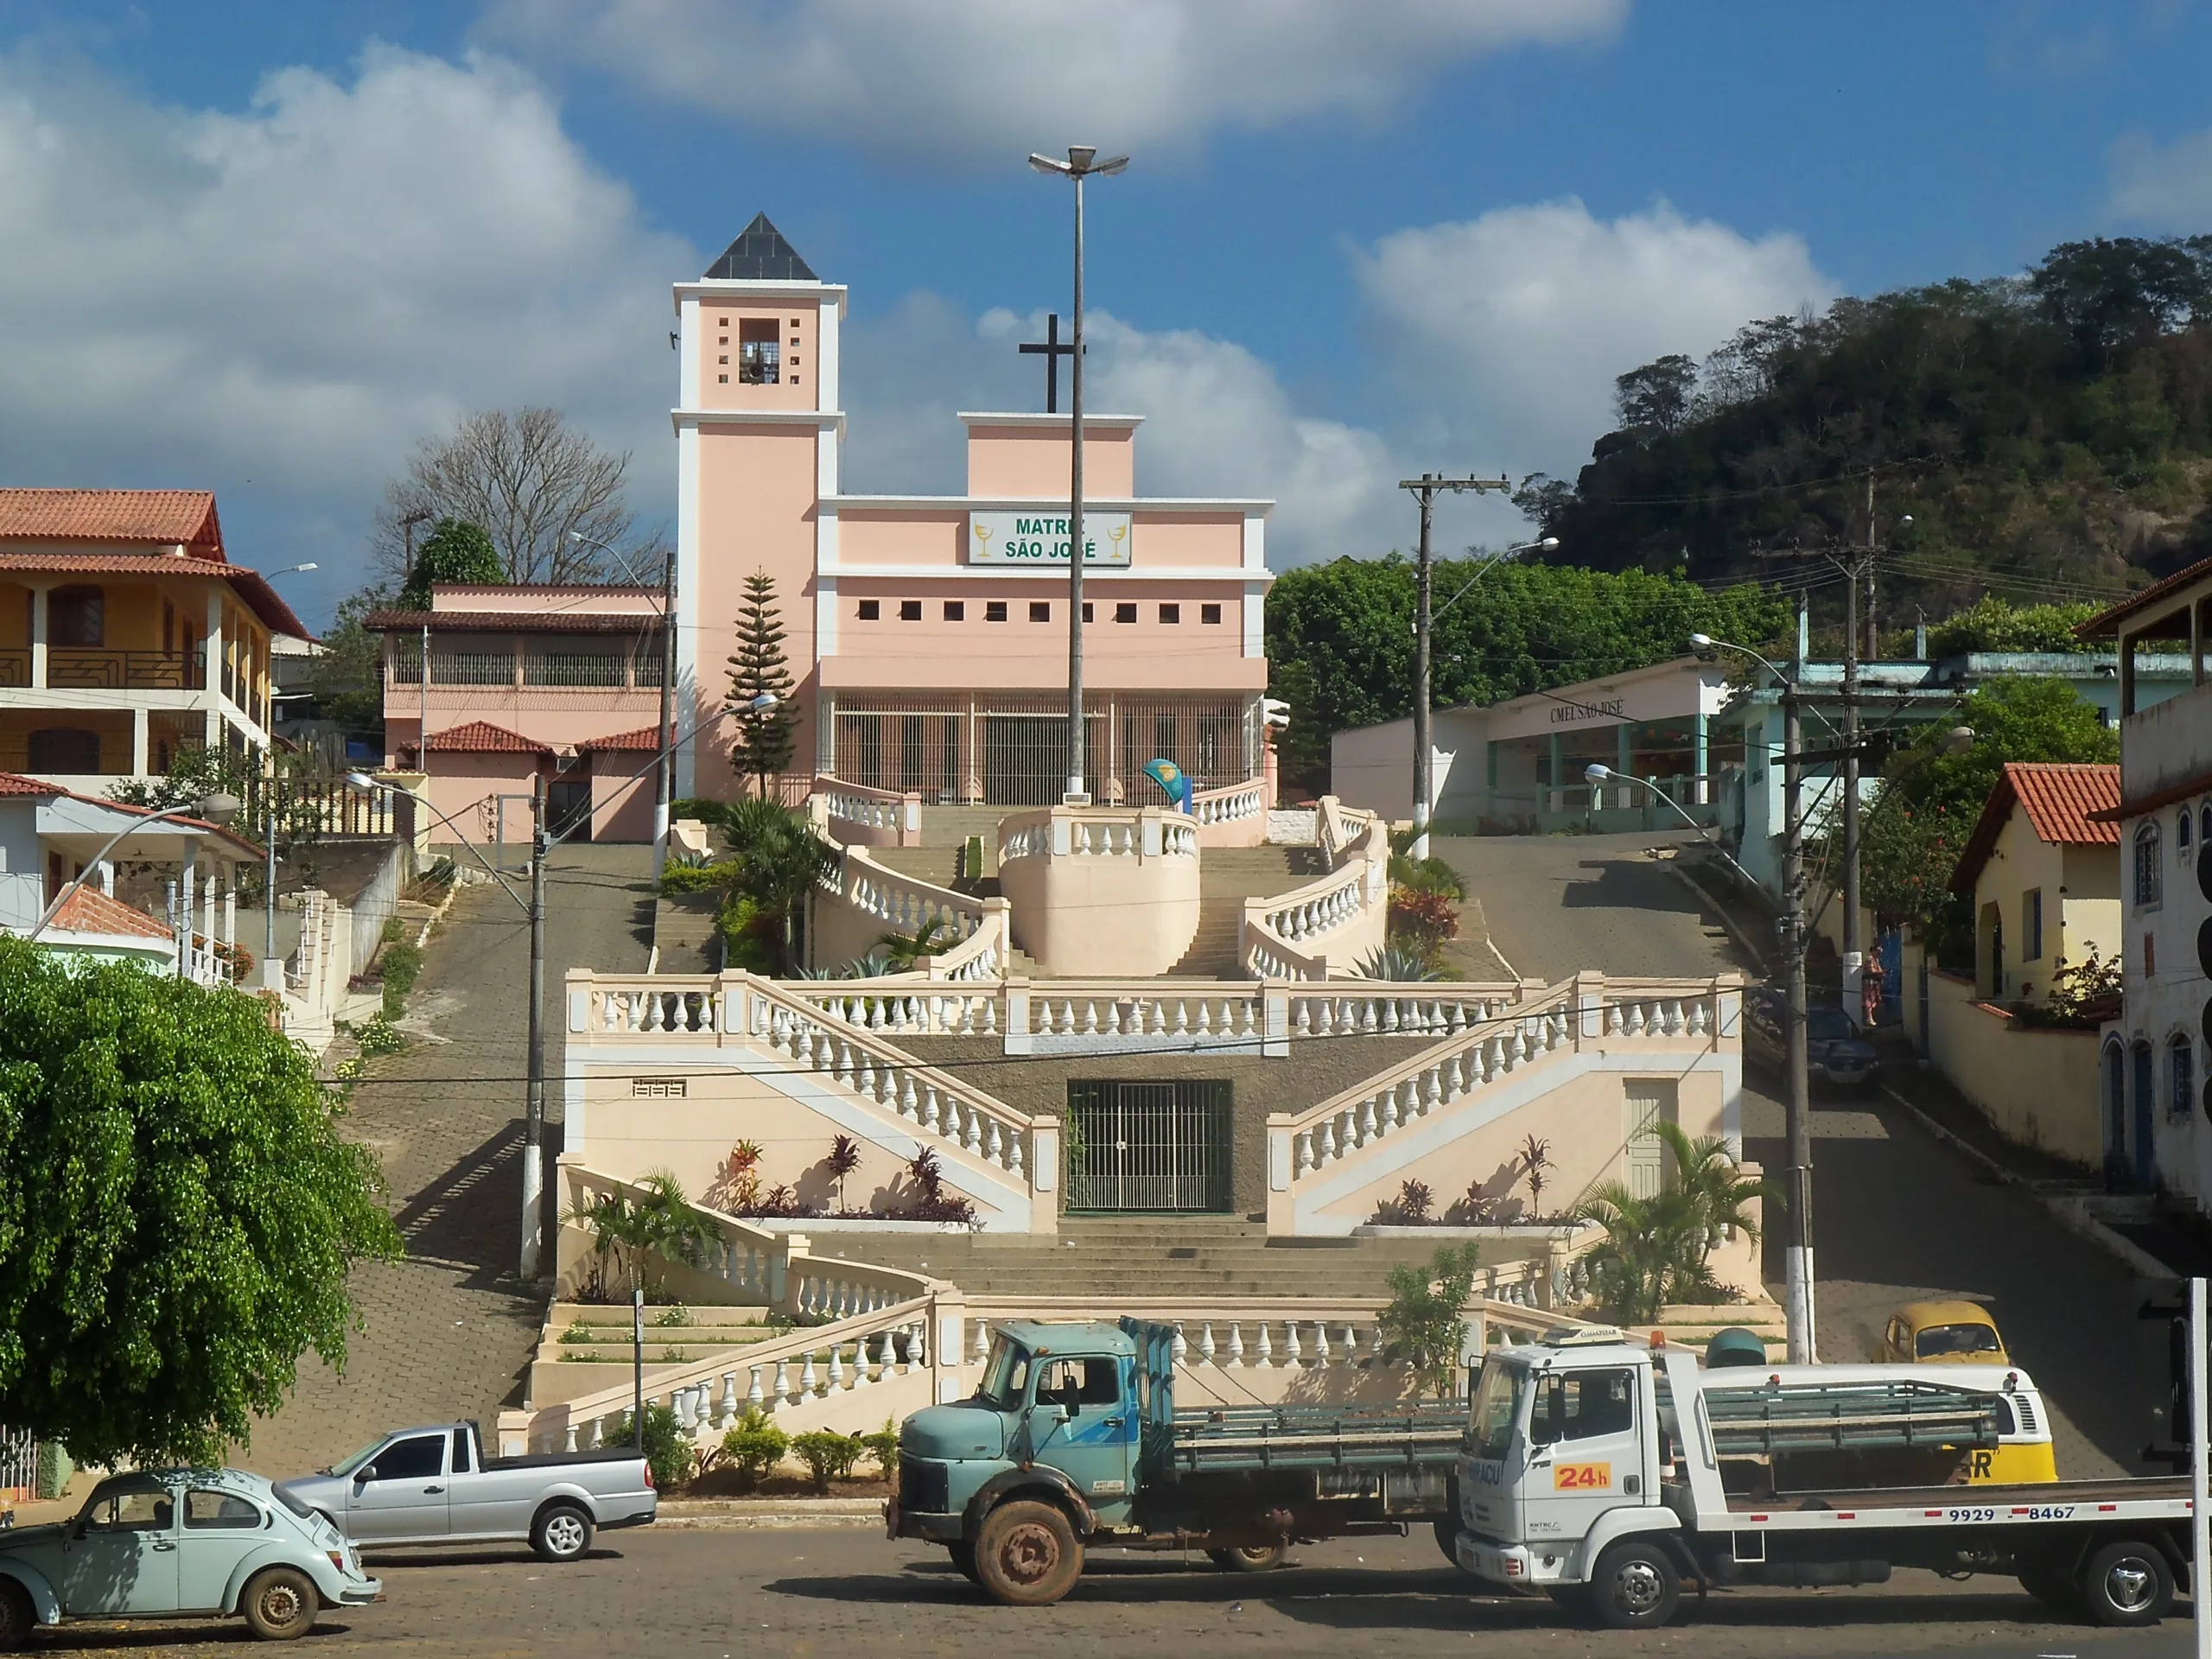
<point x="782" y="861"/>
<point x="1714" y="1185"/>
<point x="660" y="1219"/>
<point x="906" y="951"/>
<point x="1653" y="1253"/>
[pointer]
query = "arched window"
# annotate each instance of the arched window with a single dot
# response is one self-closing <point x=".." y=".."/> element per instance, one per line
<point x="2181" y="827"/>
<point x="2149" y="879"/>
<point x="2181" y="1075"/>
<point x="2205" y="823"/>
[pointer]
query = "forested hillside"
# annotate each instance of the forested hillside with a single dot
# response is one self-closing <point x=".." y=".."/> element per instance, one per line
<point x="2048" y="436"/>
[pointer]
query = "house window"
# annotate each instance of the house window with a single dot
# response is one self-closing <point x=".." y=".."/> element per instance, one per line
<point x="1125" y="613"/>
<point x="1040" y="610"/>
<point x="2180" y="835"/>
<point x="1086" y="610"/>
<point x="76" y="616"/>
<point x="870" y="609"/>
<point x="1171" y="613"/>
<point x="2149" y="878"/>
<point x="64" y="749"/>
<point x="758" y="354"/>
<point x="723" y="379"/>
<point x="2181" y="1073"/>
<point x="1209" y="614"/>
<point x="910" y="610"/>
<point x="956" y="610"/>
<point x="2031" y="925"/>
<point x="994" y="610"/>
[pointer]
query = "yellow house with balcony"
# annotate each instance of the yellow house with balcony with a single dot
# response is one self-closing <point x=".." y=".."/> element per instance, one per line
<point x="126" y="635"/>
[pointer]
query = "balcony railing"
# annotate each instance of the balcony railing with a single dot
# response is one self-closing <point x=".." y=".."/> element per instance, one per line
<point x="604" y="670"/>
<point x="571" y="667"/>
<point x="91" y="668"/>
<point x="15" y="667"/>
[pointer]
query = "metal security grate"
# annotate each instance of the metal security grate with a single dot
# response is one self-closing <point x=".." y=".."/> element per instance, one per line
<point x="1159" y="1147"/>
<point x="18" y="1464"/>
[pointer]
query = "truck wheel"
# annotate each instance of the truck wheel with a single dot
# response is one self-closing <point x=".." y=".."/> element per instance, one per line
<point x="281" y="1604"/>
<point x="1027" y="1555"/>
<point x="2129" y="1584"/>
<point x="16" y="1616"/>
<point x="1635" y="1587"/>
<point x="563" y="1534"/>
<point x="963" y="1560"/>
<point x="1259" y="1558"/>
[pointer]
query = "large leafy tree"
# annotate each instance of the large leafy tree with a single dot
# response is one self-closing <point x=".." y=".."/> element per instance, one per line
<point x="1929" y="802"/>
<point x="1340" y="636"/>
<point x="454" y="550"/>
<point x="766" y="739"/>
<point x="178" y="1213"/>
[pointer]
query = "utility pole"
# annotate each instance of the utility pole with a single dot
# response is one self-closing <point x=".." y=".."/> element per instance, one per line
<point x="1797" y="1185"/>
<point x="1425" y="489"/>
<point x="1854" y="957"/>
<point x="533" y="1153"/>
<point x="665" y="772"/>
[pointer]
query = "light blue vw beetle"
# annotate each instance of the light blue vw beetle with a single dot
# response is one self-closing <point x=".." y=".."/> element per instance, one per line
<point x="165" y="1543"/>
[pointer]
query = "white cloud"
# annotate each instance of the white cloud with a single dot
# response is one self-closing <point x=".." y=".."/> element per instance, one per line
<point x="976" y="78"/>
<point x="293" y="296"/>
<point x="2164" y="188"/>
<point x="1504" y="333"/>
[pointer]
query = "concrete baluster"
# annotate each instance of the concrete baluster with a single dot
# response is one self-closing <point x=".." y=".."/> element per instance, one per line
<point x="1320" y="1345"/>
<point x="1235" y="1345"/>
<point x="1264" y="1360"/>
<point x="1292" y="1358"/>
<point x="808" y="1385"/>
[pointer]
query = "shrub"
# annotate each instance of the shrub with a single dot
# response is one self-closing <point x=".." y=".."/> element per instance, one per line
<point x="1421" y="1325"/>
<point x="883" y="1446"/>
<point x="930" y="1201"/>
<point x="376" y="1035"/>
<point x="1422" y="920"/>
<point x="1395" y="962"/>
<point x="1426" y="875"/>
<point x="669" y="1453"/>
<point x="403" y="966"/>
<point x="827" y="1455"/>
<point x="754" y="1446"/>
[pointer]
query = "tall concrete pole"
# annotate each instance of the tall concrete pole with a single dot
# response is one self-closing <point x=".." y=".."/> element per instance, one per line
<point x="665" y="770"/>
<point x="1424" y="744"/>
<point x="533" y="1155"/>
<point x="1076" y="794"/>
<point x="1797" y="1250"/>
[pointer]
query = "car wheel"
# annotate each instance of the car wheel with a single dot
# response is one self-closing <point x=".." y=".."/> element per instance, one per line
<point x="16" y="1616"/>
<point x="963" y="1560"/>
<point x="2129" y="1584"/>
<point x="1259" y="1558"/>
<point x="563" y="1534"/>
<point x="281" y="1604"/>
<point x="1635" y="1586"/>
<point x="1027" y="1555"/>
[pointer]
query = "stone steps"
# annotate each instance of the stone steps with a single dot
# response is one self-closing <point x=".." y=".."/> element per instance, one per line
<point x="1227" y="877"/>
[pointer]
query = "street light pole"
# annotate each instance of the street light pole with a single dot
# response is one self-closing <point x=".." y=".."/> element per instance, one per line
<point x="1081" y="163"/>
<point x="1425" y="489"/>
<point x="533" y="1159"/>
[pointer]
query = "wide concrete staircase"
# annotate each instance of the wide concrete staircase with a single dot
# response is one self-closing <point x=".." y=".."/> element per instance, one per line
<point x="1136" y="1261"/>
<point x="586" y="1346"/>
<point x="1227" y="877"/>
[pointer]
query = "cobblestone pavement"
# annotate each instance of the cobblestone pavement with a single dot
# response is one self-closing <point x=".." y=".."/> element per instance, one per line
<point x="716" y="1594"/>
<point x="447" y="1330"/>
<point x="1555" y="905"/>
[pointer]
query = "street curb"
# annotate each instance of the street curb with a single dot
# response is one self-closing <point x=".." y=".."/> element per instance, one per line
<point x="753" y="1514"/>
<point x="2070" y="1212"/>
<point x="1709" y="900"/>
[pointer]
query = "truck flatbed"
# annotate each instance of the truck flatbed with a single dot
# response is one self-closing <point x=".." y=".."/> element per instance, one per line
<point x="1236" y="1438"/>
<point x="2158" y="1494"/>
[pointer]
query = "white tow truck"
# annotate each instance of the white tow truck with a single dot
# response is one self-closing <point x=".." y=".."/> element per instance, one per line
<point x="1610" y="1475"/>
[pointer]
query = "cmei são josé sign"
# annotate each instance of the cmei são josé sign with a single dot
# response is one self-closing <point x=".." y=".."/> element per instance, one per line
<point x="1041" y="537"/>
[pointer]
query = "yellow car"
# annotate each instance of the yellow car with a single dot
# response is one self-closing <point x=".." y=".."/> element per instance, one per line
<point x="1955" y="1333"/>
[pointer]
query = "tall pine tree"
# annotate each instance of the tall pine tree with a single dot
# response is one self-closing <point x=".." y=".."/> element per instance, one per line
<point x="765" y="738"/>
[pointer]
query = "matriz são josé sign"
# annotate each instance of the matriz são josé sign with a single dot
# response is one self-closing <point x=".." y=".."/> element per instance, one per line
<point x="1042" y="537"/>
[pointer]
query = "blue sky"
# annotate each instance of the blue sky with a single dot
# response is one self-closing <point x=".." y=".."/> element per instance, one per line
<point x="268" y="247"/>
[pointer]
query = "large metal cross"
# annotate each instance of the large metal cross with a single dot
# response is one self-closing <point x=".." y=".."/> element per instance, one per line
<point x="1052" y="351"/>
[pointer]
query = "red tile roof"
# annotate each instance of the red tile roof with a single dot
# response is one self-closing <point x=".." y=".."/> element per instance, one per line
<point x="645" y="738"/>
<point x="15" y="783"/>
<point x="252" y="586"/>
<point x="87" y="910"/>
<point x="481" y="737"/>
<point x="168" y="517"/>
<point x="2060" y="801"/>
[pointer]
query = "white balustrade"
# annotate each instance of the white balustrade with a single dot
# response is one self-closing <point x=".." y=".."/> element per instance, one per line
<point x="1231" y="804"/>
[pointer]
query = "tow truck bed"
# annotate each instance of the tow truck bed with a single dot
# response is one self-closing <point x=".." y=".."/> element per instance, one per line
<point x="2004" y="1499"/>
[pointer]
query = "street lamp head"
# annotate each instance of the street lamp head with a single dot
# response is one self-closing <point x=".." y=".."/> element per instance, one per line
<point x="1700" y="642"/>
<point x="1046" y="165"/>
<point x="218" y="808"/>
<point x="758" y="705"/>
<point x="1549" y="543"/>
<point x="1597" y="772"/>
<point x="360" y="780"/>
<point x="1112" y="165"/>
<point x="296" y="570"/>
<point x="1080" y="157"/>
<point x="1958" y="740"/>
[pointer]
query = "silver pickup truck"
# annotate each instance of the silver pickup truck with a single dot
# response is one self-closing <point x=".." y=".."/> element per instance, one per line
<point x="435" y="1486"/>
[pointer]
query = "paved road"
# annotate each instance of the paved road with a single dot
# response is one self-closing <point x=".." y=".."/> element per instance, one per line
<point x="845" y="1593"/>
<point x="1555" y="905"/>
<point x="449" y="1331"/>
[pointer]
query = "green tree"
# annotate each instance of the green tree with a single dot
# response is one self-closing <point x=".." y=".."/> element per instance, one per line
<point x="781" y="864"/>
<point x="1656" y="398"/>
<point x="1422" y="1323"/>
<point x="1651" y="1253"/>
<point x="765" y="738"/>
<point x="1994" y="624"/>
<point x="1910" y="841"/>
<point x="178" y="1214"/>
<point x="348" y="682"/>
<point x="454" y="550"/>
<point x="659" y="1221"/>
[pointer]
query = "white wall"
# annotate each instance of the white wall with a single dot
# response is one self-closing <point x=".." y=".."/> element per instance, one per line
<point x="22" y="865"/>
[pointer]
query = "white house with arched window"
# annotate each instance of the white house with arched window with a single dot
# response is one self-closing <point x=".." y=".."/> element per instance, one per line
<point x="2156" y="1103"/>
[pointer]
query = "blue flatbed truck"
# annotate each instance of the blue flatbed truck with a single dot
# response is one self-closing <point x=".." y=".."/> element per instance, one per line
<point x="1073" y="1442"/>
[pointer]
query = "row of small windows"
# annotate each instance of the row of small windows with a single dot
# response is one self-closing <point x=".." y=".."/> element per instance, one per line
<point x="760" y="361"/>
<point x="1040" y="610"/>
<point x="2149" y="885"/>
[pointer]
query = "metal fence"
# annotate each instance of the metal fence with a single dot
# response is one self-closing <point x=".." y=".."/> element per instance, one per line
<point x="1149" y="1147"/>
<point x="18" y="1464"/>
<point x="328" y="808"/>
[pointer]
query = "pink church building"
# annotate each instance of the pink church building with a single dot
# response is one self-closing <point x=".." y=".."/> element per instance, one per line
<point x="926" y="635"/>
